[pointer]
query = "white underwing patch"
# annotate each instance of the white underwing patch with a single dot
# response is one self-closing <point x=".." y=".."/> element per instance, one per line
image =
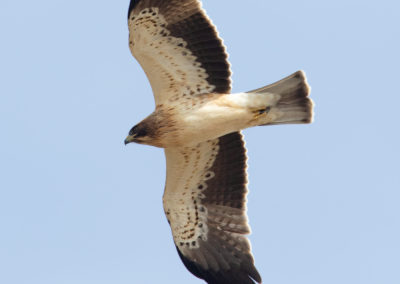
<point x="171" y="67"/>
<point x="184" y="208"/>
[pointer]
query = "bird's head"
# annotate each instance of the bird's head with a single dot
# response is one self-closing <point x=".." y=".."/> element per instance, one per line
<point x="140" y="133"/>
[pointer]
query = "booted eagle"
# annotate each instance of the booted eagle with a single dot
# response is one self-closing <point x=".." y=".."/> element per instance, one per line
<point x="198" y="122"/>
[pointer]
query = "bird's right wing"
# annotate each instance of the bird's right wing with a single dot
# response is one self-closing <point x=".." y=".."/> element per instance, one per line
<point x="179" y="49"/>
<point x="205" y="204"/>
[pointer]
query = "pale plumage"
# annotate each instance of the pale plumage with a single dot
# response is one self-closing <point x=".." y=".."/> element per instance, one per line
<point x="198" y="122"/>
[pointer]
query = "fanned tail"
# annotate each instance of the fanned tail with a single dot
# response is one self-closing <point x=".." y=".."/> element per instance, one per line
<point x="294" y="105"/>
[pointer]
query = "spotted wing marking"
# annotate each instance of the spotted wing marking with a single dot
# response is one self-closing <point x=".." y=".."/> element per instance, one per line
<point x="172" y="69"/>
<point x="205" y="204"/>
<point x="184" y="192"/>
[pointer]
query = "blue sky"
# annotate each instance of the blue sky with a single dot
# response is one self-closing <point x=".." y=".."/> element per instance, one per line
<point x="77" y="206"/>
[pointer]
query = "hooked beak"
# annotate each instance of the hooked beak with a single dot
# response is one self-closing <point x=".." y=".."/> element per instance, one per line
<point x="130" y="139"/>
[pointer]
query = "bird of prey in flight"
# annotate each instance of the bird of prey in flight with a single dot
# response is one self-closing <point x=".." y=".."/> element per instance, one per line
<point x="198" y="122"/>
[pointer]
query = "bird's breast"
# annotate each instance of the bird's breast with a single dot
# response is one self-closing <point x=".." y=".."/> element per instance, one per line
<point x="179" y="126"/>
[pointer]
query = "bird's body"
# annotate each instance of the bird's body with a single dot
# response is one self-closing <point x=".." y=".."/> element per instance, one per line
<point x="198" y="122"/>
<point x="187" y="123"/>
<point x="178" y="125"/>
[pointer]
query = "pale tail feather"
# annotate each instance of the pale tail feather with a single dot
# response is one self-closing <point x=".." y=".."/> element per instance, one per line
<point x="294" y="103"/>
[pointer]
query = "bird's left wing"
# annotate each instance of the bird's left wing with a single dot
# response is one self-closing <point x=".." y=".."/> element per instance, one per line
<point x="178" y="48"/>
<point x="205" y="204"/>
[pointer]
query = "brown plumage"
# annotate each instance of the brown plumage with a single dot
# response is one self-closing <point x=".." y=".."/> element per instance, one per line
<point x="198" y="122"/>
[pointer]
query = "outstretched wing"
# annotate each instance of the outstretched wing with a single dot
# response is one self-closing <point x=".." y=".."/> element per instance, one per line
<point x="178" y="47"/>
<point x="205" y="204"/>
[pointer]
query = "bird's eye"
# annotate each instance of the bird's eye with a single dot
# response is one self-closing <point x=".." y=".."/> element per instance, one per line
<point x="133" y="130"/>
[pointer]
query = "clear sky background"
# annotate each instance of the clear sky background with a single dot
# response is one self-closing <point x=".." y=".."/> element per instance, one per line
<point x="77" y="206"/>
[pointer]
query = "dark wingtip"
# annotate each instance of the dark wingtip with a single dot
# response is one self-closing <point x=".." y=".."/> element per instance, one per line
<point x="191" y="266"/>
<point x="132" y="6"/>
<point x="220" y="277"/>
